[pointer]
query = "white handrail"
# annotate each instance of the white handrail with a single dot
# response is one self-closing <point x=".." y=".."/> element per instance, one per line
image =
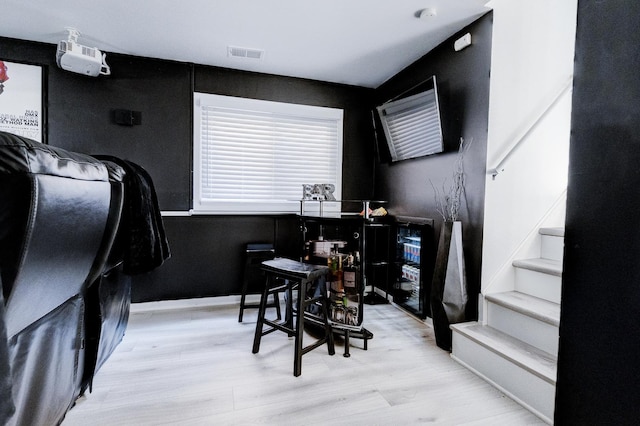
<point x="500" y="166"/>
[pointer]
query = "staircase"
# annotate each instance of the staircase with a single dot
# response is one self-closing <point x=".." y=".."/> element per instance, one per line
<point x="516" y="349"/>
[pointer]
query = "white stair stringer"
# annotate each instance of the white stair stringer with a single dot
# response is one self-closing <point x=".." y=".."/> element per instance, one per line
<point x="523" y="372"/>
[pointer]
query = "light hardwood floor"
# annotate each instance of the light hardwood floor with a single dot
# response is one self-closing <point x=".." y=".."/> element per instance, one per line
<point x="190" y="363"/>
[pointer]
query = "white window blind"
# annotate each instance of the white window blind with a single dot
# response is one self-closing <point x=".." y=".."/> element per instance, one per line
<point x="253" y="156"/>
<point x="412" y="125"/>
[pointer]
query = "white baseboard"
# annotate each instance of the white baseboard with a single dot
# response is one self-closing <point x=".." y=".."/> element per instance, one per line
<point x="188" y="303"/>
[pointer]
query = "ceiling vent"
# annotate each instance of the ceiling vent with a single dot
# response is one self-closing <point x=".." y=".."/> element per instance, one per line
<point x="244" y="52"/>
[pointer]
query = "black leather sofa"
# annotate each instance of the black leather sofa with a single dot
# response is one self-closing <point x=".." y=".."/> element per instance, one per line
<point x="64" y="304"/>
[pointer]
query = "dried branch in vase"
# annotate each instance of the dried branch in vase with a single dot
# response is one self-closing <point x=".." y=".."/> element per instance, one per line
<point x="448" y="201"/>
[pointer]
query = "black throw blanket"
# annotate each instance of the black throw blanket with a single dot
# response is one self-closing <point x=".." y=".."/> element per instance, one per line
<point x="143" y="236"/>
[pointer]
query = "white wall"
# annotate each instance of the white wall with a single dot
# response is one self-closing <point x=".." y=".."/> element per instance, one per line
<point x="532" y="60"/>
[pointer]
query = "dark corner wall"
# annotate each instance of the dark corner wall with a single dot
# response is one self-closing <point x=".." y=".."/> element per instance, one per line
<point x="598" y="361"/>
<point x="206" y="250"/>
<point x="463" y="86"/>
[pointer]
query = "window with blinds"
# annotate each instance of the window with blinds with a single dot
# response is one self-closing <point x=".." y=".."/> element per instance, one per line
<point x="252" y="156"/>
<point x="412" y="125"/>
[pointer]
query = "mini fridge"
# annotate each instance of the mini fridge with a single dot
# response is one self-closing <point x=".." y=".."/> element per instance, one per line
<point x="415" y="253"/>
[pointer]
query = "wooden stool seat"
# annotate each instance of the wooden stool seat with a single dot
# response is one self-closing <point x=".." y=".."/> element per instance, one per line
<point x="290" y="275"/>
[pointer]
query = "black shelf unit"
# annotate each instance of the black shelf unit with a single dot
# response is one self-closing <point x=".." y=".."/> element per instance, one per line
<point x="378" y="261"/>
<point x="415" y="254"/>
<point x="356" y="232"/>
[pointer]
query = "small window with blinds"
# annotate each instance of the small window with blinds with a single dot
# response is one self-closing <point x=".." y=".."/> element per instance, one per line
<point x="253" y="156"/>
<point x="412" y="125"/>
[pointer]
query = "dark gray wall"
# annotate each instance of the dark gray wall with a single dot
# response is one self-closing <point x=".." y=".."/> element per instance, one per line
<point x="463" y="84"/>
<point x="80" y="114"/>
<point x="598" y="366"/>
<point x="206" y="250"/>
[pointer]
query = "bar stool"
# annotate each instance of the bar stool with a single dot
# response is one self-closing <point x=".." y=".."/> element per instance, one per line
<point x="255" y="254"/>
<point x="297" y="277"/>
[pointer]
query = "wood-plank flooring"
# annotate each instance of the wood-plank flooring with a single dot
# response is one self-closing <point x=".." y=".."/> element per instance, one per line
<point x="190" y="363"/>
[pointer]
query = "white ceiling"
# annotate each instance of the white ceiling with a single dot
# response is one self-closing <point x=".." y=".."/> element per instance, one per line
<point x="357" y="42"/>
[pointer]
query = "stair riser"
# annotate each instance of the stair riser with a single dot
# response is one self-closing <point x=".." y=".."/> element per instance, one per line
<point x="530" y="330"/>
<point x="538" y="284"/>
<point x="552" y="247"/>
<point x="534" y="393"/>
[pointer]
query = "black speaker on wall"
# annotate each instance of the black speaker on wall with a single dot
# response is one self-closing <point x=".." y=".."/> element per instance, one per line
<point x="126" y="117"/>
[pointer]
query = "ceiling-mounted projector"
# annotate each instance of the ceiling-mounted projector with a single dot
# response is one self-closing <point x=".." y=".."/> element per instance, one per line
<point x="74" y="57"/>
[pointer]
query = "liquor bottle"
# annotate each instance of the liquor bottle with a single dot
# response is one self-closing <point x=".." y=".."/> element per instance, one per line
<point x="350" y="275"/>
<point x="335" y="273"/>
<point x="340" y="275"/>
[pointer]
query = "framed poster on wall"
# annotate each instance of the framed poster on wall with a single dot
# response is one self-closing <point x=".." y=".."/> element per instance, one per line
<point x="21" y="99"/>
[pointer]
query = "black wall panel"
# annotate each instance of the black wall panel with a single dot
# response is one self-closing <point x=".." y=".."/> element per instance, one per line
<point x="206" y="250"/>
<point x="463" y="84"/>
<point x="598" y="365"/>
<point x="207" y="256"/>
<point x="81" y="119"/>
<point x="80" y="114"/>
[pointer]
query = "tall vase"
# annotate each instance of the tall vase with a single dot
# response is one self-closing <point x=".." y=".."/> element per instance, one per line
<point x="449" y="285"/>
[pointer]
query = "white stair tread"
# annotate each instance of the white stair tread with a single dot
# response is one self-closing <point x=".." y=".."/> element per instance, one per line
<point x="546" y="266"/>
<point x="530" y="358"/>
<point x="531" y="306"/>
<point x="554" y="231"/>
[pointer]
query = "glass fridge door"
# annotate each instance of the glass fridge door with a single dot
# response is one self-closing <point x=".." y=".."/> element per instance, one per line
<point x="409" y="291"/>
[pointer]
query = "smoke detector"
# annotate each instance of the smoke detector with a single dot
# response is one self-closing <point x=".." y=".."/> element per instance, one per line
<point x="427" y="13"/>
